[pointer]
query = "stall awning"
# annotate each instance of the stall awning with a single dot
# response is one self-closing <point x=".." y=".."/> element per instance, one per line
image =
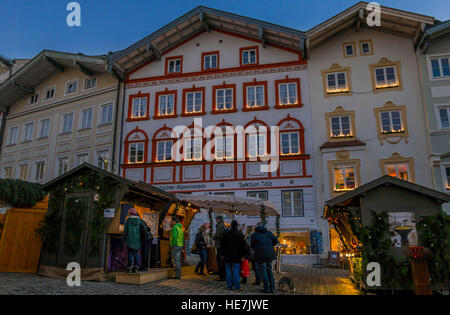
<point x="230" y="204"/>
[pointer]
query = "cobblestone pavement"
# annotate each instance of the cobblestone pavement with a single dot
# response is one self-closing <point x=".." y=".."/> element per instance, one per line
<point x="308" y="280"/>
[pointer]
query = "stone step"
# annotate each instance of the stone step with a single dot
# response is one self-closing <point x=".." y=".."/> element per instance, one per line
<point x="144" y="277"/>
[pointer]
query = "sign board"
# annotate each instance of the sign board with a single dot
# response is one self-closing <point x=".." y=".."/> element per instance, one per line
<point x="109" y="213"/>
<point x="334" y="258"/>
<point x="151" y="219"/>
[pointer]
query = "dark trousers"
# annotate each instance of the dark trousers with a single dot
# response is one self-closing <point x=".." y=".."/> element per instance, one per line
<point x="201" y="264"/>
<point x="221" y="266"/>
<point x="256" y="271"/>
<point x="133" y="257"/>
<point x="265" y="272"/>
<point x="145" y="253"/>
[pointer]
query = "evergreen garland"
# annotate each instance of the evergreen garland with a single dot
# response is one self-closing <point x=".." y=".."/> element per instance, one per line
<point x="19" y="193"/>
<point x="262" y="214"/>
<point x="277" y="225"/>
<point x="211" y="223"/>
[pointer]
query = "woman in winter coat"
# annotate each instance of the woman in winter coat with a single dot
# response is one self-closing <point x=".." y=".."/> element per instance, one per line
<point x="201" y="245"/>
<point x="132" y="238"/>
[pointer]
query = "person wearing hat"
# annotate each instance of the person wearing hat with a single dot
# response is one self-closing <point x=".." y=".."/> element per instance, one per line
<point x="220" y="229"/>
<point x="132" y="238"/>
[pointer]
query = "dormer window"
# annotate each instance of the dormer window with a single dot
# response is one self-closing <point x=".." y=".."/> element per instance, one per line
<point x="174" y="65"/>
<point x="90" y="83"/>
<point x="249" y="56"/>
<point x="210" y="61"/>
<point x="34" y="98"/>
<point x="71" y="87"/>
<point x="49" y="93"/>
<point x="349" y="49"/>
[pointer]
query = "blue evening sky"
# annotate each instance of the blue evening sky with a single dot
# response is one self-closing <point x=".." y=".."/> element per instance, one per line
<point x="28" y="26"/>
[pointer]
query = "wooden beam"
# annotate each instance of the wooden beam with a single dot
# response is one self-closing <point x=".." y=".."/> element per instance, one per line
<point x="261" y="36"/>
<point x="83" y="68"/>
<point x="202" y="19"/>
<point x="359" y="19"/>
<point x="55" y="64"/>
<point x="28" y="89"/>
<point x="156" y="51"/>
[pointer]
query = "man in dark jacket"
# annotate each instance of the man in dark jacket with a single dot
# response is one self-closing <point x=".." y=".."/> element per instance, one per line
<point x="220" y="229"/>
<point x="232" y="249"/>
<point x="263" y="242"/>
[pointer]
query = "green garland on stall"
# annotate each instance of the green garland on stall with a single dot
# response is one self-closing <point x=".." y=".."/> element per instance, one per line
<point x="104" y="189"/>
<point x="262" y="214"/>
<point x="277" y="226"/>
<point x="434" y="234"/>
<point x="19" y="193"/>
<point x="211" y="223"/>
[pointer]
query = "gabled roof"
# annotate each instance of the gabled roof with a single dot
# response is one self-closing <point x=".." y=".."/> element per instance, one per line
<point x="141" y="186"/>
<point x="393" y="21"/>
<point x="432" y="32"/>
<point x="196" y="21"/>
<point x="342" y="199"/>
<point x="46" y="63"/>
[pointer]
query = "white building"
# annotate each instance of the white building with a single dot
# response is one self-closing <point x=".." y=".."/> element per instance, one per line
<point x="226" y="70"/>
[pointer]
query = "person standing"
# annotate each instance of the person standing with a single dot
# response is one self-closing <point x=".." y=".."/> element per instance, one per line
<point x="232" y="249"/>
<point x="220" y="229"/>
<point x="201" y="245"/>
<point x="146" y="243"/>
<point x="263" y="242"/>
<point x="250" y="257"/>
<point x="132" y="238"/>
<point x="176" y="245"/>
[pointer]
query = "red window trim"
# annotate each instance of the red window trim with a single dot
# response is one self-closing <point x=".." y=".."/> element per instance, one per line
<point x="301" y="132"/>
<point x="249" y="48"/>
<point x="127" y="146"/>
<point x="130" y="106"/>
<point x="193" y="89"/>
<point x="207" y="53"/>
<point x="268" y="136"/>
<point x="166" y="92"/>
<point x="245" y="108"/>
<point x="155" y="144"/>
<point x="277" y="93"/>
<point x="216" y="111"/>
<point x="166" y="69"/>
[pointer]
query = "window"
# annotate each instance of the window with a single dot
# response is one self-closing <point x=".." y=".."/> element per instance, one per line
<point x="49" y="93"/>
<point x="224" y="99"/>
<point x="391" y="121"/>
<point x="28" y="132"/>
<point x="71" y="87"/>
<point x="82" y="158"/>
<point x="344" y="177"/>
<point x="340" y="126"/>
<point x="166" y="105"/>
<point x="8" y="172"/>
<point x="292" y="203"/>
<point x="385" y="76"/>
<point x="193" y="149"/>
<point x="106" y="114"/>
<point x="34" y="99"/>
<point x="289" y="143"/>
<point x="174" y="65"/>
<point x="256" y="145"/>
<point x="287" y="93"/>
<point x="365" y="47"/>
<point x="86" y="118"/>
<point x="336" y="81"/>
<point x="349" y="49"/>
<point x="67" y="123"/>
<point x="103" y="159"/>
<point x="224" y="147"/>
<point x="139" y="107"/>
<point x="447" y="175"/>
<point x="399" y="170"/>
<point x="255" y="96"/>
<point x="193" y="101"/>
<point x="39" y="171"/>
<point x="210" y="60"/>
<point x="164" y="151"/>
<point x="263" y="195"/>
<point x="443" y="117"/>
<point x="136" y="153"/>
<point x="90" y="83"/>
<point x="63" y="165"/>
<point x="440" y="67"/>
<point x="249" y="56"/>
<point x="23" y="170"/>
<point x="45" y="128"/>
<point x="13" y="134"/>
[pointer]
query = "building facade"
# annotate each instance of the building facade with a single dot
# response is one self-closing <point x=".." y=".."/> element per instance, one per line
<point x="60" y="112"/>
<point x="366" y="102"/>
<point x="217" y="79"/>
<point x="434" y="62"/>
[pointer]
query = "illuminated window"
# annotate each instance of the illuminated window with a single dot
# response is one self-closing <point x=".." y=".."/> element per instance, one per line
<point x="224" y="99"/>
<point x="447" y="173"/>
<point x="288" y="93"/>
<point x="164" y="151"/>
<point x="166" y="105"/>
<point x="255" y="96"/>
<point x="391" y="121"/>
<point x="337" y="82"/>
<point x="289" y="143"/>
<point x="341" y="126"/>
<point x="194" y="102"/>
<point x="292" y="203"/>
<point x="344" y="177"/>
<point x="440" y="67"/>
<point x="139" y="108"/>
<point x="385" y="76"/>
<point x="256" y="145"/>
<point x="103" y="159"/>
<point x="193" y="149"/>
<point x="224" y="147"/>
<point x="399" y="170"/>
<point x="136" y="152"/>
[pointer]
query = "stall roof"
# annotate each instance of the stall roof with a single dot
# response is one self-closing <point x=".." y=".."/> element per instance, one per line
<point x="343" y="199"/>
<point x="141" y="186"/>
<point x="222" y="204"/>
<point x="198" y="20"/>
<point x="46" y="63"/>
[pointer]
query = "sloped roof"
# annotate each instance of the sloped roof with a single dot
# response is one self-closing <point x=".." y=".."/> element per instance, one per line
<point x="141" y="186"/>
<point x="388" y="180"/>
<point x="46" y="63"/>
<point x="196" y="21"/>
<point x="432" y="32"/>
<point x="393" y="21"/>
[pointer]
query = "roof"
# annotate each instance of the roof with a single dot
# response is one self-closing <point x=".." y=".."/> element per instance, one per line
<point x="196" y="21"/>
<point x="141" y="186"/>
<point x="47" y="62"/>
<point x="394" y="21"/>
<point x="388" y="180"/>
<point x="432" y="32"/>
